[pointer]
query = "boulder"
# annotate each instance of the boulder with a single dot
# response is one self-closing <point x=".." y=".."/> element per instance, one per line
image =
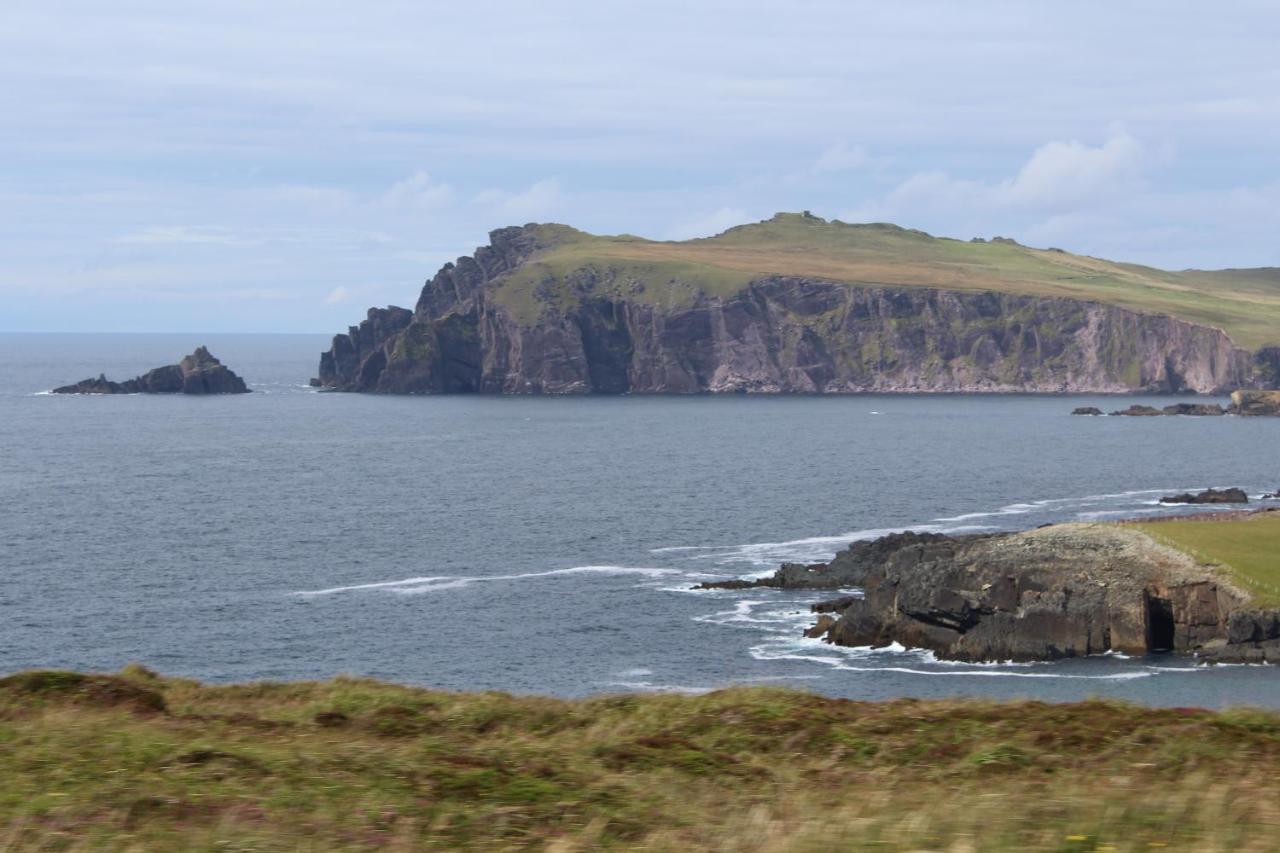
<point x="1208" y="496"/>
<point x="198" y="373"/>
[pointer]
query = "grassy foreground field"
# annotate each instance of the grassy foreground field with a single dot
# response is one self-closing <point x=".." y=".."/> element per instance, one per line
<point x="137" y="762"/>
<point x="1245" y="546"/>
<point x="1245" y="303"/>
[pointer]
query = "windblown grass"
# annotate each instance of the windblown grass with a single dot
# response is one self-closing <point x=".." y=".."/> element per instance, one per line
<point x="137" y="762"/>
<point x="1246" y="546"/>
<point x="1245" y="303"/>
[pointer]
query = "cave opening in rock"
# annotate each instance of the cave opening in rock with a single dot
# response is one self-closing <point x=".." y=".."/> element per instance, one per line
<point x="1160" y="627"/>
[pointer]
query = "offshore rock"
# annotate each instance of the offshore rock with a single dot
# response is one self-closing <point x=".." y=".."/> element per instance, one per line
<point x="1087" y="410"/>
<point x="597" y="330"/>
<point x="1208" y="496"/>
<point x="198" y="373"/>
<point x="1140" y="411"/>
<point x="1063" y="591"/>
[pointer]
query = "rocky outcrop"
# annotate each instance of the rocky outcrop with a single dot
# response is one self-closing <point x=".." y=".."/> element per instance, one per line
<point x="1092" y="411"/>
<point x="198" y="373"/>
<point x="1193" y="409"/>
<point x="1256" y="403"/>
<point x="1060" y="591"/>
<point x="1208" y="496"/>
<point x="587" y="331"/>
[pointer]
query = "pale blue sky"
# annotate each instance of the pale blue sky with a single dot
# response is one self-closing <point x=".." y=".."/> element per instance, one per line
<point x="251" y="166"/>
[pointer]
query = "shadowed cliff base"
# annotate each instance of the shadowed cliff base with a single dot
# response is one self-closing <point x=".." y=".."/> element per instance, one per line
<point x="797" y="304"/>
<point x="149" y="763"/>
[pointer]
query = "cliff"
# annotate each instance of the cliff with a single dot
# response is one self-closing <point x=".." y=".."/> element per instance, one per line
<point x="198" y="373"/>
<point x="547" y="309"/>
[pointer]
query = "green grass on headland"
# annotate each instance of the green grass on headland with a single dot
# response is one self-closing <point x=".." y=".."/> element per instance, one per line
<point x="1245" y="303"/>
<point x="1246" y="546"/>
<point x="142" y="763"/>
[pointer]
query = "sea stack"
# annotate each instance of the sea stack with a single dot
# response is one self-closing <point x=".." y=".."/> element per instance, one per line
<point x="198" y="373"/>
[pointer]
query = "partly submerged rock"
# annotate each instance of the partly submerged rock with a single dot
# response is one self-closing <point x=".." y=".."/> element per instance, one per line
<point x="1208" y="496"/>
<point x="1140" y="411"/>
<point x="1087" y="410"/>
<point x="198" y="373"/>
<point x="1198" y="409"/>
<point x="1256" y="403"/>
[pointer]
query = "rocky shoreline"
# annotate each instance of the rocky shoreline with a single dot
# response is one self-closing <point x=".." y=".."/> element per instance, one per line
<point x="1059" y="591"/>
<point x="1248" y="403"/>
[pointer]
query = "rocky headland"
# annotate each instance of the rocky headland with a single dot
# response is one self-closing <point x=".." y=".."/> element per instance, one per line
<point x="198" y="373"/>
<point x="795" y="304"/>
<point x="1059" y="591"/>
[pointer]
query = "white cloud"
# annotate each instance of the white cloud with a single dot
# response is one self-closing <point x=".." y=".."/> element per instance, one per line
<point x="418" y="191"/>
<point x="709" y="225"/>
<point x="1062" y="174"/>
<point x="841" y="158"/>
<point x="1058" y="177"/>
<point x="538" y="201"/>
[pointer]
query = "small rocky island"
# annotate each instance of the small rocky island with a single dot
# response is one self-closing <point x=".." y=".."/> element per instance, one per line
<point x="1059" y="591"/>
<point x="198" y="373"/>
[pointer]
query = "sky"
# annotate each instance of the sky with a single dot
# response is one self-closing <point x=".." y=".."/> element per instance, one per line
<point x="282" y="166"/>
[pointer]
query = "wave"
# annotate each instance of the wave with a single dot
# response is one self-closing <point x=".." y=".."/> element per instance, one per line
<point x="761" y="652"/>
<point x="435" y="583"/>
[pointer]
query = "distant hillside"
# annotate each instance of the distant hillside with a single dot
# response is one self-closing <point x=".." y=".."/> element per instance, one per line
<point x="800" y="304"/>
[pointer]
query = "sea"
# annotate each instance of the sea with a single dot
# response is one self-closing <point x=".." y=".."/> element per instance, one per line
<point x="539" y="544"/>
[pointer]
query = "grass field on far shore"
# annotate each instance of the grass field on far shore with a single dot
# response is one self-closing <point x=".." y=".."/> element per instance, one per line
<point x="138" y="762"/>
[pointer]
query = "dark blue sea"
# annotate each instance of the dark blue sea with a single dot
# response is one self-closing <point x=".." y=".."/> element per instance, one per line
<point x="543" y="545"/>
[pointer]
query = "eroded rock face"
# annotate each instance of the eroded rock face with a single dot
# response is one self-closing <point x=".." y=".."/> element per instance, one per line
<point x="777" y="335"/>
<point x="1061" y="591"/>
<point x="198" y="373"/>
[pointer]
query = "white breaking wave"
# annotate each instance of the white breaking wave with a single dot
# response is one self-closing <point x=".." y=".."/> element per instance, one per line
<point x="411" y="586"/>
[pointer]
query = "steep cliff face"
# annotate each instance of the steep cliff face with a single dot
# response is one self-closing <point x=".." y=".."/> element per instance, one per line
<point x="593" y="331"/>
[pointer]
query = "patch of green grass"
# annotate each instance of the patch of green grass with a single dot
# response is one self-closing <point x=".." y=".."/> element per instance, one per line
<point x="354" y="764"/>
<point x="1245" y="303"/>
<point x="1247" y="547"/>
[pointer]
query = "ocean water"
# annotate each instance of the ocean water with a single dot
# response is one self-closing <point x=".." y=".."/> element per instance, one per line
<point x="541" y="545"/>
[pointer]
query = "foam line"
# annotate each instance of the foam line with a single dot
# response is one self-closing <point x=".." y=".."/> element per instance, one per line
<point x="409" y="586"/>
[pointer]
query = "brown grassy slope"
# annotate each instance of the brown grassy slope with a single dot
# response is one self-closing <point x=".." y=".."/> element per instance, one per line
<point x="143" y="763"/>
<point x="1246" y="303"/>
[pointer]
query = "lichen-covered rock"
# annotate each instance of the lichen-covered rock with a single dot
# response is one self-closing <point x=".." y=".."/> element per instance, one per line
<point x="198" y="373"/>
<point x="586" y="331"/>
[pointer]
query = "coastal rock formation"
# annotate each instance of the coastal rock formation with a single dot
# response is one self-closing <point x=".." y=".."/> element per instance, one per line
<point x="1208" y="496"/>
<point x="1256" y="403"/>
<point x="505" y="321"/>
<point x="1059" y="591"/>
<point x="1193" y="409"/>
<point x="198" y="373"/>
<point x="1087" y="410"/>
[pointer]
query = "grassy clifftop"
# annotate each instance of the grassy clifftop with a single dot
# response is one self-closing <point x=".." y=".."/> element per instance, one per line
<point x="1246" y="546"/>
<point x="138" y="762"/>
<point x="1245" y="303"/>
